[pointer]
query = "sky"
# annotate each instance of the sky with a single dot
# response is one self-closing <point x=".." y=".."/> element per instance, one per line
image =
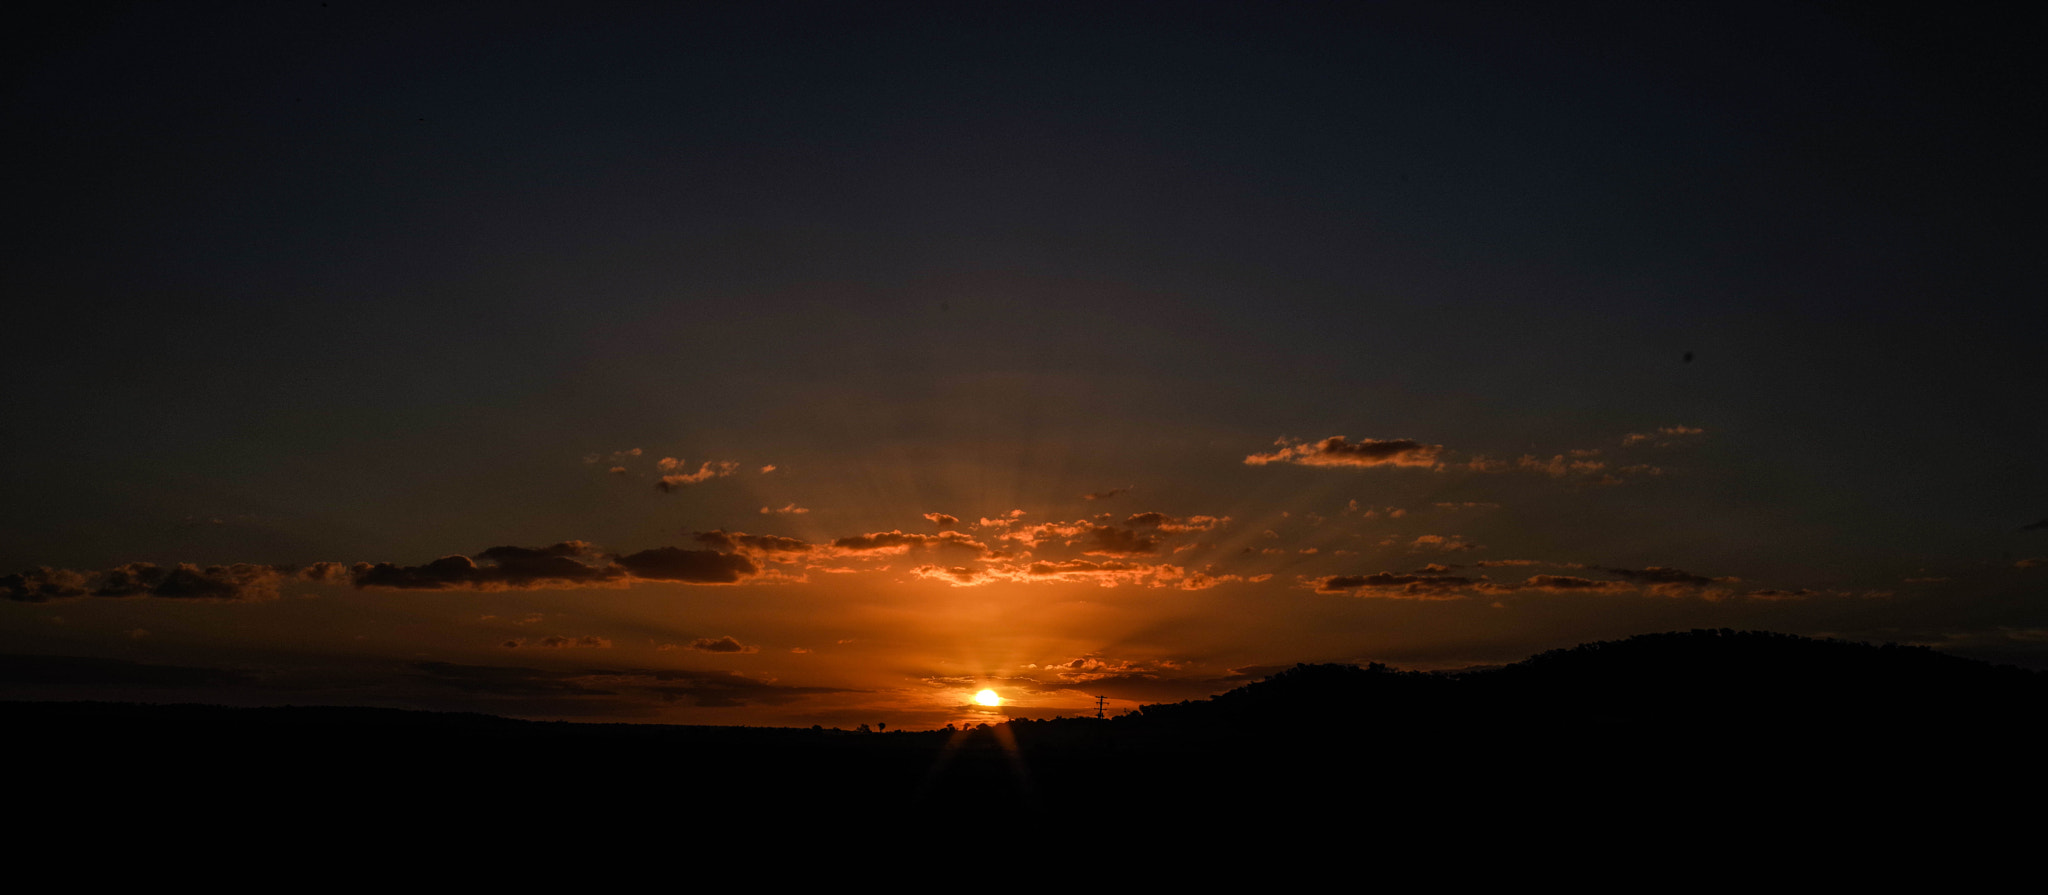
<point x="794" y="364"/>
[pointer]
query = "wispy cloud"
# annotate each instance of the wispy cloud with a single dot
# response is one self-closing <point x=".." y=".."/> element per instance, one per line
<point x="556" y="641"/>
<point x="1337" y="451"/>
<point x="1663" y="437"/>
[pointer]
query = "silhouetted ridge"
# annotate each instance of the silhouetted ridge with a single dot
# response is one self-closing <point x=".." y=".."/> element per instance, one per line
<point x="1724" y="682"/>
<point x="1741" y="717"/>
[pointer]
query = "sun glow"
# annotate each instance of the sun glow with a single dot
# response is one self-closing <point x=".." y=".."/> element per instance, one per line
<point x="988" y="697"/>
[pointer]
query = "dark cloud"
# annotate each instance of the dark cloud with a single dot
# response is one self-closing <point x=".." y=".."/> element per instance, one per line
<point x="1337" y="451"/>
<point x="556" y="641"/>
<point x="1428" y="586"/>
<point x="1659" y="575"/>
<point x="1105" y="495"/>
<point x="726" y="644"/>
<point x="43" y="584"/>
<point x="1570" y="583"/>
<point x="1777" y="594"/>
<point x="1174" y="524"/>
<point x="2038" y="526"/>
<point x="508" y="568"/>
<point x="184" y="581"/>
<point x="567" y="564"/>
<point x="739" y="542"/>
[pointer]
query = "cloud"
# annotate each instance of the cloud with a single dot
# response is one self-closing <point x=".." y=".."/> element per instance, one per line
<point x="711" y="469"/>
<point x="556" y="641"/>
<point x="899" y="543"/>
<point x="184" y="581"/>
<point x="43" y="584"/>
<point x="1003" y="521"/>
<point x="2038" y="526"/>
<point x="1140" y="534"/>
<point x="1174" y="525"/>
<point x="615" y="457"/>
<point x="724" y="644"/>
<point x="1570" y="584"/>
<point x="1105" y="495"/>
<point x="506" y="568"/>
<point x="1661" y="575"/>
<point x="1102" y="573"/>
<point x="1559" y="466"/>
<point x="2030" y="562"/>
<point x="1776" y="594"/>
<point x="1337" y="451"/>
<point x="1393" y="585"/>
<point x="688" y="566"/>
<point x="943" y="520"/>
<point x="1439" y="543"/>
<point x="563" y="565"/>
<point x="1664" y="437"/>
<point x="790" y="509"/>
<point x="774" y="547"/>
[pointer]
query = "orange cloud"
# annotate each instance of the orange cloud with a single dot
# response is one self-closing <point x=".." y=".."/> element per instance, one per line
<point x="1108" y="573"/>
<point x="1440" y="543"/>
<point x="710" y="469"/>
<point x="898" y="543"/>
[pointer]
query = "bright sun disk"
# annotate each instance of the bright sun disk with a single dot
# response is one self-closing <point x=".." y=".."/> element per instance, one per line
<point x="988" y="697"/>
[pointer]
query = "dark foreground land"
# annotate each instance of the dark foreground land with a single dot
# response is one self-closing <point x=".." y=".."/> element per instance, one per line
<point x="1708" y="733"/>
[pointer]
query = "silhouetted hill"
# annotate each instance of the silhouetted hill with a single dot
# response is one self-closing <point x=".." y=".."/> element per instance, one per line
<point x="1738" y="717"/>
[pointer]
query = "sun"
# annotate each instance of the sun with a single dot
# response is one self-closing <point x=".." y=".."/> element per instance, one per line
<point x="988" y="697"/>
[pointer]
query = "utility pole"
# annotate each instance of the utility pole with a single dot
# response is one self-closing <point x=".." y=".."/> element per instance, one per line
<point x="1099" y="700"/>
